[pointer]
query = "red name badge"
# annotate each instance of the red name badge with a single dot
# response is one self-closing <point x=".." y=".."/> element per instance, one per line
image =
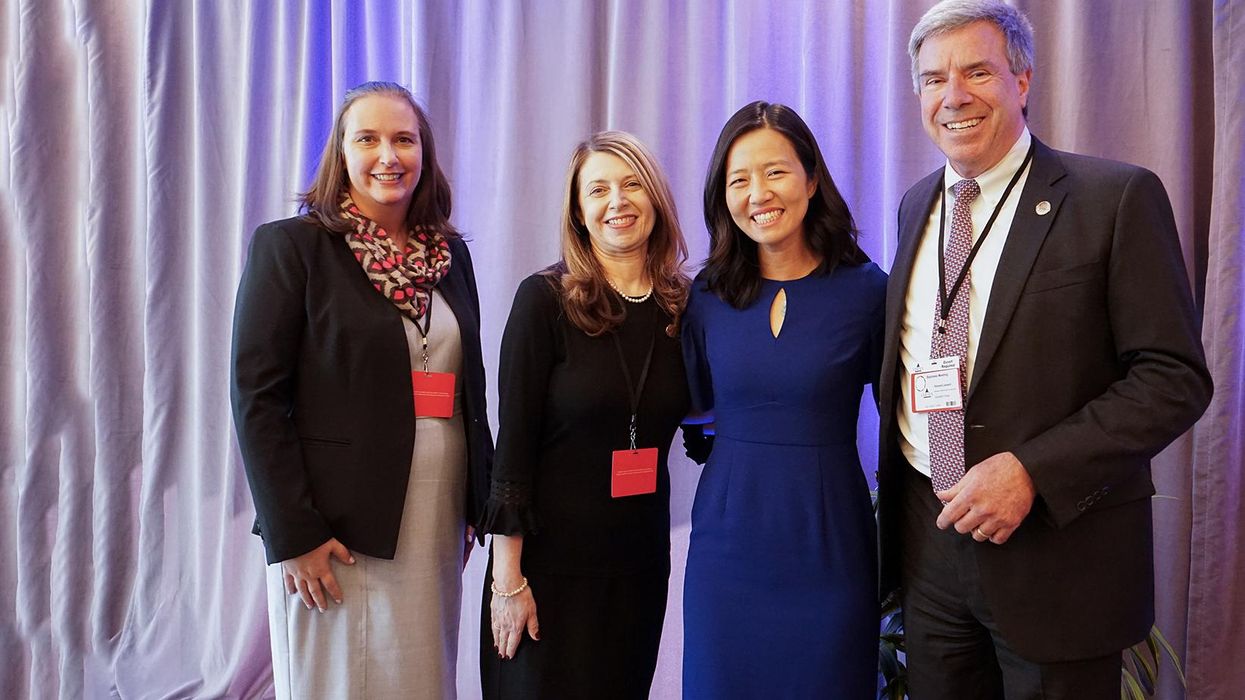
<point x="635" y="472"/>
<point x="434" y="394"/>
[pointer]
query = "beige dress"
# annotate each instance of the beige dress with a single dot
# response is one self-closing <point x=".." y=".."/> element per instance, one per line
<point x="396" y="633"/>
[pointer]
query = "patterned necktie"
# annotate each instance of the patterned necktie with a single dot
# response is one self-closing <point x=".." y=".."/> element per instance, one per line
<point x="946" y="428"/>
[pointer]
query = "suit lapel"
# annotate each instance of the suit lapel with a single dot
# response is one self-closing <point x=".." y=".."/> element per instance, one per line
<point x="1024" y="241"/>
<point x="912" y="221"/>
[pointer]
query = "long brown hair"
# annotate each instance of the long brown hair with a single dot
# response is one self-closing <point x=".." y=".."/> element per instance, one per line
<point x="733" y="270"/>
<point x="587" y="300"/>
<point x="430" y="206"/>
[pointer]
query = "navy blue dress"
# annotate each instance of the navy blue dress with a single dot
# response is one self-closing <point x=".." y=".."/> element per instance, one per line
<point x="780" y="595"/>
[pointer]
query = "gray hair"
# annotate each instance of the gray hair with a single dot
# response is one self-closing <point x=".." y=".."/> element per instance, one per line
<point x="950" y="15"/>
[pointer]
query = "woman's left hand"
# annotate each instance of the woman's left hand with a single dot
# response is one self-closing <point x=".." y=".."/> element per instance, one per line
<point x="512" y="616"/>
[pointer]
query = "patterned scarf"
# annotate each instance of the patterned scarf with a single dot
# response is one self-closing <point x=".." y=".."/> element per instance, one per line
<point x="405" y="277"/>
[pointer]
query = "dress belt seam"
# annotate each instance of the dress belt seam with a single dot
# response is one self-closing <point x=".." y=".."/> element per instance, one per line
<point x="837" y="443"/>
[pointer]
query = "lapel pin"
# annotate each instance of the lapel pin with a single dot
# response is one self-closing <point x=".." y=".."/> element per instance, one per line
<point x="1042" y="208"/>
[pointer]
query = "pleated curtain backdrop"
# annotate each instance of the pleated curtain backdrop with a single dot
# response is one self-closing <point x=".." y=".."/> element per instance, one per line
<point x="144" y="142"/>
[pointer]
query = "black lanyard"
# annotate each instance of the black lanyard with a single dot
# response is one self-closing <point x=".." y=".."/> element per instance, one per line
<point x="423" y="332"/>
<point x="945" y="298"/>
<point x="635" y="390"/>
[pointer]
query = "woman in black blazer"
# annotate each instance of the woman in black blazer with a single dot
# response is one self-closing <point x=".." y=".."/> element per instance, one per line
<point x="358" y="395"/>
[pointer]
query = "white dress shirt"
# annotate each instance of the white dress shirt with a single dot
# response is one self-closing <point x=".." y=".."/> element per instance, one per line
<point x="918" y="318"/>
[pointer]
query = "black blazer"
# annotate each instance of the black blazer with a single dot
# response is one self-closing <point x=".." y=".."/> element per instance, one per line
<point x="321" y="392"/>
<point x="1089" y="363"/>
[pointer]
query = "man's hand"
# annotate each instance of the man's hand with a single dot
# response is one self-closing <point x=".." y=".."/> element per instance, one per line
<point x="990" y="501"/>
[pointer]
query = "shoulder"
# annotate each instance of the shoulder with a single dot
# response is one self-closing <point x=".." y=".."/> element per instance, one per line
<point x="919" y="191"/>
<point x="288" y="241"/>
<point x="536" y="296"/>
<point x="460" y="257"/>
<point x="1102" y="177"/>
<point x="458" y="247"/>
<point x="872" y="277"/>
<point x="866" y="274"/>
<point x="705" y="303"/>
<point x="1080" y="164"/>
<point x="700" y="286"/>
<point x="874" y="274"/>
<point x="297" y="228"/>
<point x="874" y="282"/>
<point x="865" y="281"/>
<point x="699" y="294"/>
<point x="294" y="233"/>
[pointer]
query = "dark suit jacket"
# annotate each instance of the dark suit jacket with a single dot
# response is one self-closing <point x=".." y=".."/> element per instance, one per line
<point x="321" y="392"/>
<point x="1089" y="363"/>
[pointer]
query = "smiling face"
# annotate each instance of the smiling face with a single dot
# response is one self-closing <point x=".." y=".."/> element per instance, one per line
<point x="971" y="103"/>
<point x="383" y="155"/>
<point x="767" y="189"/>
<point x="614" y="206"/>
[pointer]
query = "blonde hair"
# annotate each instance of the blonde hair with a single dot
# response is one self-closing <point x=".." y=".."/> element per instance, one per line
<point x="587" y="300"/>
<point x="430" y="206"/>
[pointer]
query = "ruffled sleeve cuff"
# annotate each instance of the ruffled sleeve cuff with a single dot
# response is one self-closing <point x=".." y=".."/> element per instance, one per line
<point x="508" y="510"/>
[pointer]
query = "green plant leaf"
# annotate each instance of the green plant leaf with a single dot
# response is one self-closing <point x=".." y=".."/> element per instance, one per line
<point x="1147" y="666"/>
<point x="1156" y="634"/>
<point x="888" y="662"/>
<point x="1131" y="667"/>
<point x="1139" y="664"/>
<point x="896" y="689"/>
<point x="1153" y="645"/>
<point x="1130" y="688"/>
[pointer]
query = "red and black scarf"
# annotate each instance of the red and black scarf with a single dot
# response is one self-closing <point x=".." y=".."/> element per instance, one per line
<point x="405" y="277"/>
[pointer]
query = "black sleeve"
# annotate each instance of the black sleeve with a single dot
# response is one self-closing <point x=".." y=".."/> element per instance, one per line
<point x="529" y="350"/>
<point x="1166" y="386"/>
<point x="469" y="275"/>
<point x="699" y="379"/>
<point x="697" y="444"/>
<point x="478" y="469"/>
<point x="269" y="321"/>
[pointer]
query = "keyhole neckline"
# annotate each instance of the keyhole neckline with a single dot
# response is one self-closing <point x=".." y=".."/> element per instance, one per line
<point x="778" y="319"/>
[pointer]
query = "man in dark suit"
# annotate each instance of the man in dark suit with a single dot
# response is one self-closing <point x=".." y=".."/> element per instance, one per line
<point x="1059" y="356"/>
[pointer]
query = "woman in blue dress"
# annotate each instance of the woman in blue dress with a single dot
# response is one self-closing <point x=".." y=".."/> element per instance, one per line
<point x="782" y="333"/>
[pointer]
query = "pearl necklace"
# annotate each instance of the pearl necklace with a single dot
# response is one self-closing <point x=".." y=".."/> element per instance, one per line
<point x="627" y="297"/>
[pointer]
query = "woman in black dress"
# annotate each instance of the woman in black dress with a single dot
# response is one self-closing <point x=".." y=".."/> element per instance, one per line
<point x="592" y="389"/>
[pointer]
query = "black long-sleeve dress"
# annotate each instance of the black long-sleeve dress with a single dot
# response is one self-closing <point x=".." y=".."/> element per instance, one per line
<point x="598" y="566"/>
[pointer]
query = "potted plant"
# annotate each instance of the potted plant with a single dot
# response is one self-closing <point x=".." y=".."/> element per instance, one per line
<point x="1139" y="672"/>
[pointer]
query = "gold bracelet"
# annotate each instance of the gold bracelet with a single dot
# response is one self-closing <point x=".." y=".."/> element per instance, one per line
<point x="509" y="594"/>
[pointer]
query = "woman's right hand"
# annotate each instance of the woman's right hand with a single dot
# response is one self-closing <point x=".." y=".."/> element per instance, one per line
<point x="305" y="574"/>
<point x="511" y="616"/>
